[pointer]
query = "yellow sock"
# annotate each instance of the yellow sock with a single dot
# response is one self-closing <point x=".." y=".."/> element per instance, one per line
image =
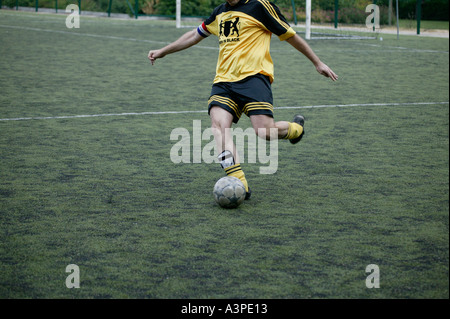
<point x="294" y="130"/>
<point x="236" y="171"/>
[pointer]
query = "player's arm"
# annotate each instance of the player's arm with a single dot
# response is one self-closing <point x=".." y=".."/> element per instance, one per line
<point x="298" y="43"/>
<point x="185" y="41"/>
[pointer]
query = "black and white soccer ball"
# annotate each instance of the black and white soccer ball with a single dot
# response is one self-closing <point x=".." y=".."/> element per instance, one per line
<point x="229" y="192"/>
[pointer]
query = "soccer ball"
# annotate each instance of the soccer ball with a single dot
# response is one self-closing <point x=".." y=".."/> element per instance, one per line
<point x="229" y="192"/>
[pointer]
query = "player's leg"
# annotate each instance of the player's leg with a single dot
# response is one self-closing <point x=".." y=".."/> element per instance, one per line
<point x="221" y="121"/>
<point x="265" y="127"/>
<point x="256" y="92"/>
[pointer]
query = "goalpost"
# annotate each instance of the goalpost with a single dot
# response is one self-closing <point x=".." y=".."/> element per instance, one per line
<point x="186" y="21"/>
<point x="178" y="13"/>
<point x="337" y="33"/>
<point x="308" y="20"/>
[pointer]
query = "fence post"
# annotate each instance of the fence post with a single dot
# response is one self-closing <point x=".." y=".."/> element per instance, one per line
<point x="390" y="13"/>
<point x="37" y="5"/>
<point x="397" y="16"/>
<point x="293" y="12"/>
<point x="136" y="8"/>
<point x="79" y="7"/>
<point x="109" y="8"/>
<point x="418" y="14"/>
<point x="336" y="8"/>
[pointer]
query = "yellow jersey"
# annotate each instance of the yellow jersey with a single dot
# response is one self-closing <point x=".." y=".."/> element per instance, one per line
<point x="244" y="31"/>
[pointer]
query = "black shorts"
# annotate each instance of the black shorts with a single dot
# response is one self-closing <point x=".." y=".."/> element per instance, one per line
<point x="251" y="96"/>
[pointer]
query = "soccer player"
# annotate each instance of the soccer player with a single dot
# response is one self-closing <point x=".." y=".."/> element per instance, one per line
<point x="244" y="73"/>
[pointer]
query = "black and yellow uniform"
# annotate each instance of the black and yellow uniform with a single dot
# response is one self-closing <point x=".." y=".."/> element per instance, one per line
<point x="251" y="96"/>
<point x="244" y="31"/>
<point x="244" y="72"/>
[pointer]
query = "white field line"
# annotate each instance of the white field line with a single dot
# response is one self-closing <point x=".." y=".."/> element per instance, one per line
<point x="205" y="111"/>
<point x="368" y="104"/>
<point x="402" y="48"/>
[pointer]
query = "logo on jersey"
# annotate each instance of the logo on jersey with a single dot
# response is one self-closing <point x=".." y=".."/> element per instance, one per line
<point x="230" y="28"/>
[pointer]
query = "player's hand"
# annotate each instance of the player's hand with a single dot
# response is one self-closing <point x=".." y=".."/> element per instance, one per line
<point x="153" y="55"/>
<point x="325" y="70"/>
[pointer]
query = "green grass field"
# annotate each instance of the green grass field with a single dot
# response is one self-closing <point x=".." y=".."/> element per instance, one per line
<point x="367" y="185"/>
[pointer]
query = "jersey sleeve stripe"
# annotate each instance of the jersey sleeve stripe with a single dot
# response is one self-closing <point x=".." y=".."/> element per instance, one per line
<point x="273" y="13"/>
<point x="269" y="8"/>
